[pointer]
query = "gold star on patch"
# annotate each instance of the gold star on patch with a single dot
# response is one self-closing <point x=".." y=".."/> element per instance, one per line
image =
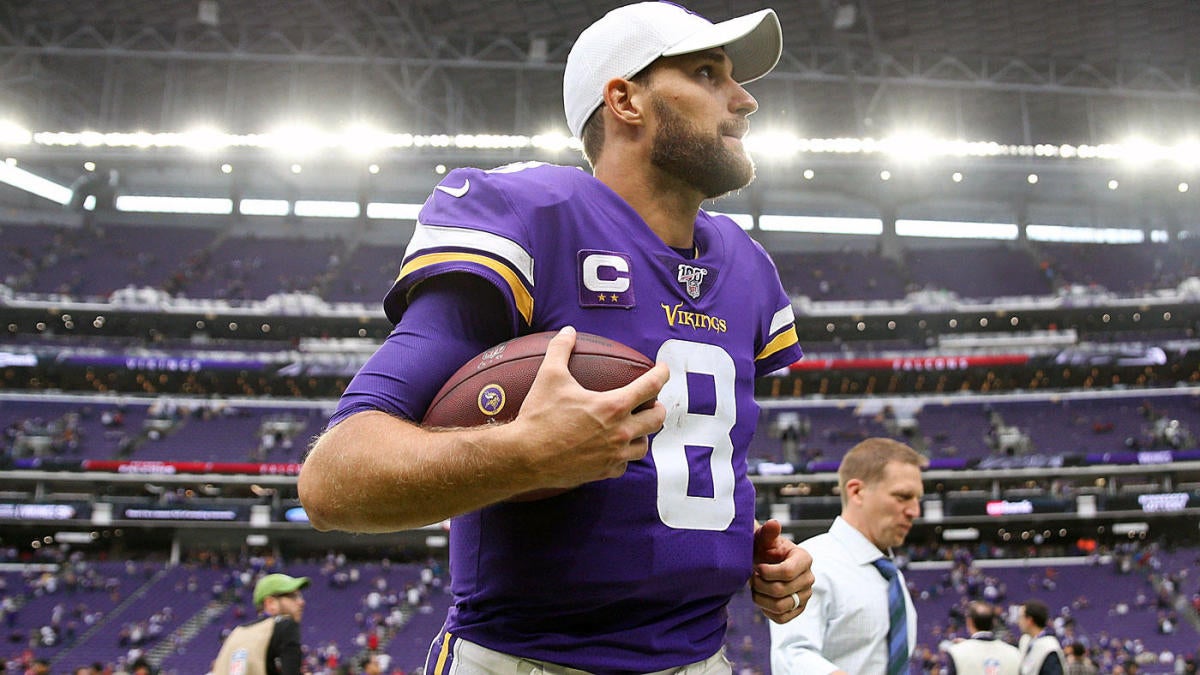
<point x="601" y="297"/>
<point x="613" y="297"/>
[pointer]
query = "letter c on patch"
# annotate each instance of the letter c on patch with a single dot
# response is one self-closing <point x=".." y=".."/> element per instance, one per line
<point x="591" y="273"/>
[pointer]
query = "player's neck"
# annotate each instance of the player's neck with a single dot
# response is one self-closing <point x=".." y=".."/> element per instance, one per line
<point x="668" y="205"/>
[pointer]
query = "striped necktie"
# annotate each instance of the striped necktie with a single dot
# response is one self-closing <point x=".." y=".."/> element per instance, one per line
<point x="897" y="643"/>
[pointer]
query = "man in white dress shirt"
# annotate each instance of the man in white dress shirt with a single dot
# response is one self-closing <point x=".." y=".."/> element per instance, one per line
<point x="853" y="623"/>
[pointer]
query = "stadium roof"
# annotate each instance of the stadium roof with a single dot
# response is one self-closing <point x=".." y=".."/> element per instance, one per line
<point x="1015" y="72"/>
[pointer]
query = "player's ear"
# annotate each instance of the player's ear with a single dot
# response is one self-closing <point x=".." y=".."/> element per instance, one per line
<point x="854" y="488"/>
<point x="622" y="101"/>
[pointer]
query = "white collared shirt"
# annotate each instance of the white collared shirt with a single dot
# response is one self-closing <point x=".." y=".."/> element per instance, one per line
<point x="845" y="625"/>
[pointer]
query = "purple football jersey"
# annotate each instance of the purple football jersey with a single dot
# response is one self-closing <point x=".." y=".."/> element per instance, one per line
<point x="630" y="574"/>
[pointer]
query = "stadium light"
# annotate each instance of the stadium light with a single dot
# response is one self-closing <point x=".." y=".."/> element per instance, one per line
<point x="1138" y="151"/>
<point x="1186" y="153"/>
<point x="555" y="141"/>
<point x="157" y="204"/>
<point x="11" y="174"/>
<point x="393" y="211"/>
<point x="204" y="139"/>
<point x="304" y="139"/>
<point x="820" y="225"/>
<point x="12" y="133"/>
<point x="956" y="230"/>
<point x="361" y="140"/>
<point x="296" y="140"/>
<point x="913" y="147"/>
<point x="772" y="145"/>
<point x="326" y="209"/>
<point x="263" y="207"/>
<point x="1085" y="235"/>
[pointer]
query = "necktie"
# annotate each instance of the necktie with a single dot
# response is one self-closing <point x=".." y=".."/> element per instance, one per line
<point x="897" y="642"/>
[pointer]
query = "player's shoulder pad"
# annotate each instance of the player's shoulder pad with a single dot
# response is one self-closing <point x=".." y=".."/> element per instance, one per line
<point x="532" y="183"/>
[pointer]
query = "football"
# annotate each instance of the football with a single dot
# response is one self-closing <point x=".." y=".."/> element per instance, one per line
<point x="491" y="387"/>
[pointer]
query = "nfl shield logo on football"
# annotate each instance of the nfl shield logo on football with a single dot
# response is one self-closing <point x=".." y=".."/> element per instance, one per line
<point x="691" y="277"/>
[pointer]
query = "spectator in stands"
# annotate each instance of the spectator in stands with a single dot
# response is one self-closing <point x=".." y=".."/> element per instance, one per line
<point x="279" y="598"/>
<point x="861" y="618"/>
<point x="1078" y="662"/>
<point x="983" y="652"/>
<point x="369" y="665"/>
<point x="1041" y="653"/>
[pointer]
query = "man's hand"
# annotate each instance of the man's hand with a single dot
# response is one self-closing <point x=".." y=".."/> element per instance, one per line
<point x="783" y="579"/>
<point x="570" y="435"/>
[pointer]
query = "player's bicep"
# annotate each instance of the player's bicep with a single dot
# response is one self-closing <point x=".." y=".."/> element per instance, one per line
<point x="449" y="319"/>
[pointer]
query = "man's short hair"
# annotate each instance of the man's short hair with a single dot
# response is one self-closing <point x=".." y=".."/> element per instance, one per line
<point x="868" y="461"/>
<point x="982" y="616"/>
<point x="1078" y="650"/>
<point x="1037" y="612"/>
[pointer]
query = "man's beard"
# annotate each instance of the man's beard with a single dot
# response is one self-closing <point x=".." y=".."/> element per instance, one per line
<point x="704" y="162"/>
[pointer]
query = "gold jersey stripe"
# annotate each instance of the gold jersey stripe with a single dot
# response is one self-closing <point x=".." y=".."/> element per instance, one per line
<point x="441" y="662"/>
<point x="785" y="339"/>
<point x="521" y="294"/>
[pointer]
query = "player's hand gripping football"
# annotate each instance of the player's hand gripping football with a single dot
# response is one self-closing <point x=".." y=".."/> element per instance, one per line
<point x="573" y="435"/>
<point x="782" y="580"/>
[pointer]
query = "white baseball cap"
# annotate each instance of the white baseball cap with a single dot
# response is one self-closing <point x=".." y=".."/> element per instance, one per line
<point x="626" y="40"/>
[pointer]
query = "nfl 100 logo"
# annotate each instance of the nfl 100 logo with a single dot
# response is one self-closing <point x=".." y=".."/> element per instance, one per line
<point x="691" y="277"/>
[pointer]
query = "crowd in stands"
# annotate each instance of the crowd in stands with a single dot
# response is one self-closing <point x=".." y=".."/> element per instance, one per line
<point x="1148" y="585"/>
<point x="361" y="609"/>
<point x="63" y="600"/>
<point x="164" y="427"/>
<point x="199" y="262"/>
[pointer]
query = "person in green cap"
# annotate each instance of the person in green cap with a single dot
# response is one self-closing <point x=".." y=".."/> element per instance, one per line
<point x="271" y="644"/>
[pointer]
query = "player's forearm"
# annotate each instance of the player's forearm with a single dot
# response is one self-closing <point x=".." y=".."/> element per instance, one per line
<point x="375" y="473"/>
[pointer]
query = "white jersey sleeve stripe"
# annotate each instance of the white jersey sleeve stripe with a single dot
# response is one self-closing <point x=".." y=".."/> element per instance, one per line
<point x="782" y="319"/>
<point x="427" y="237"/>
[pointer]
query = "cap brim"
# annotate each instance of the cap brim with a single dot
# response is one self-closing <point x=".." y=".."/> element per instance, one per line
<point x="279" y="585"/>
<point x="753" y="43"/>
